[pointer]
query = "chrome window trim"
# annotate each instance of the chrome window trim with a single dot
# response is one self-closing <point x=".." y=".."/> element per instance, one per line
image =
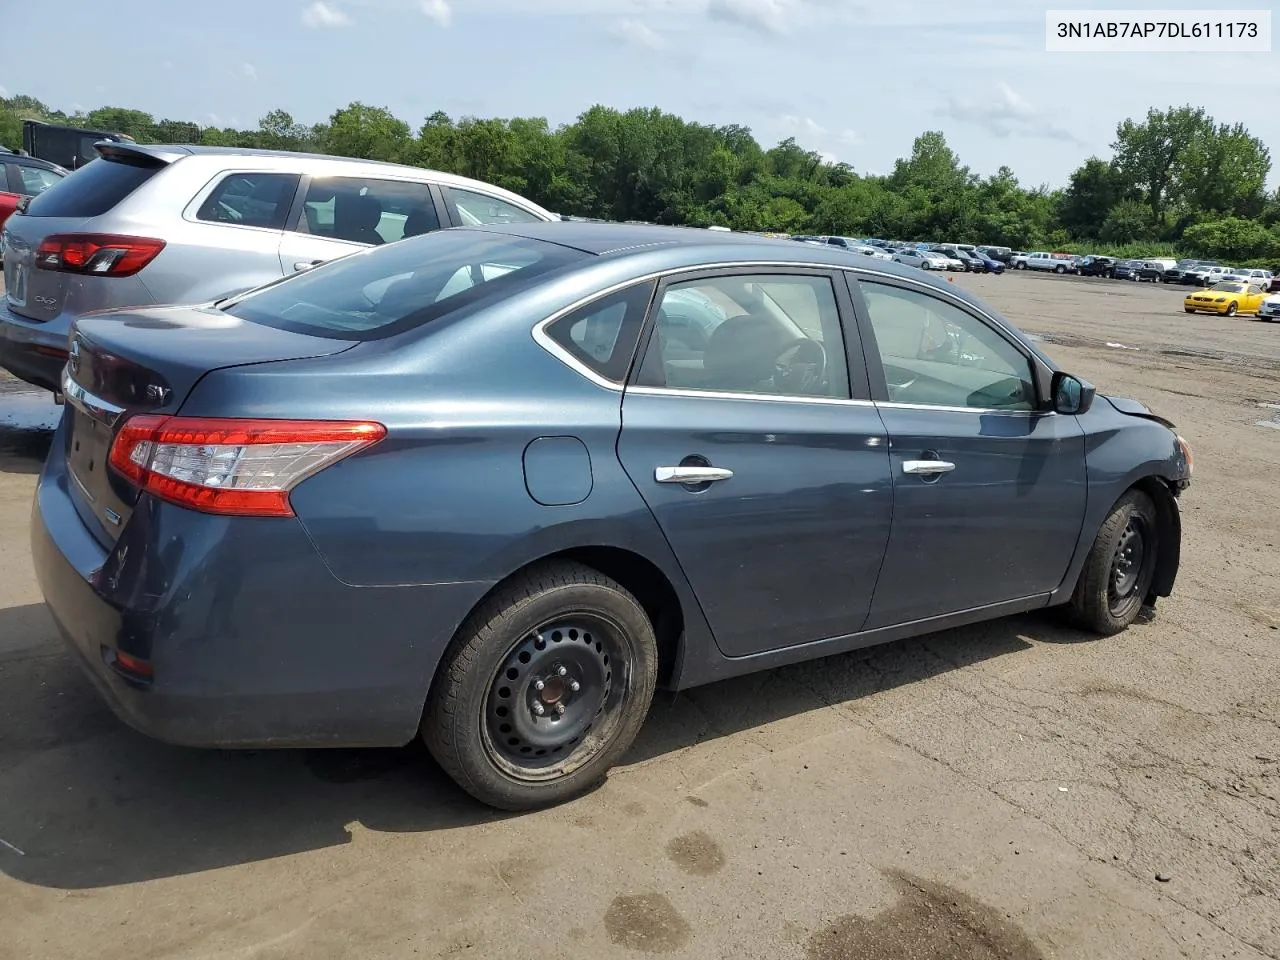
<point x="544" y="340"/>
<point x="951" y="409"/>
<point x="727" y="395"/>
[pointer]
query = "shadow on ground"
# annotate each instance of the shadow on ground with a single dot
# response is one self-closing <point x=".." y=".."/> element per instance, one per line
<point x="91" y="803"/>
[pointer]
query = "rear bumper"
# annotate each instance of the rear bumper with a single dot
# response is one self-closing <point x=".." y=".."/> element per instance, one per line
<point x="252" y="641"/>
<point x="31" y="351"/>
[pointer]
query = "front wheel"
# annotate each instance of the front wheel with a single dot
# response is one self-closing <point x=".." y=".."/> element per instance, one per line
<point x="1188" y="310"/>
<point x="1232" y="307"/>
<point x="544" y="689"/>
<point x="1120" y="568"/>
<point x="924" y="265"/>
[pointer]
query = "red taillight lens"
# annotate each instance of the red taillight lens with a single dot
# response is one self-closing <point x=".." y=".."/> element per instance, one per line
<point x="104" y="254"/>
<point x="233" y="467"/>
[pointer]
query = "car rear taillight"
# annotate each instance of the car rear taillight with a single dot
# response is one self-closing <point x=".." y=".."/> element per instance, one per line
<point x="233" y="467"/>
<point x="104" y="254"/>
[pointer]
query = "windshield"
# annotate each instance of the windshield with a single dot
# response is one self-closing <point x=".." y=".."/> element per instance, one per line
<point x="386" y="290"/>
<point x="1229" y="287"/>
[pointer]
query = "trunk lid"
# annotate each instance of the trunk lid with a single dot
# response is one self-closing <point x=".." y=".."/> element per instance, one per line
<point x="147" y="361"/>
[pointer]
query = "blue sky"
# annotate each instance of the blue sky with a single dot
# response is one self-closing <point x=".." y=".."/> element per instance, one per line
<point x="854" y="79"/>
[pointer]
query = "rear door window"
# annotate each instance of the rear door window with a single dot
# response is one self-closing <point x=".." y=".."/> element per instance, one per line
<point x="251" y="199"/>
<point x="363" y="210"/>
<point x="95" y="188"/>
<point x="471" y="209"/>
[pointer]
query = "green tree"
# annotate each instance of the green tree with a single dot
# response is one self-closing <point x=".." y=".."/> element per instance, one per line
<point x="1152" y="154"/>
<point x="134" y="123"/>
<point x="1223" y="170"/>
<point x="372" y="133"/>
<point x="1232" y="239"/>
<point x="1093" y="190"/>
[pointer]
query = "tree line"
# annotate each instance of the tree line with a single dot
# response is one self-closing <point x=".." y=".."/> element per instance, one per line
<point x="1177" y="181"/>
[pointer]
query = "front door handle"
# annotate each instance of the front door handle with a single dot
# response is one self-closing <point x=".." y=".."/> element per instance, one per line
<point x="306" y="265"/>
<point x="690" y="475"/>
<point x="926" y="468"/>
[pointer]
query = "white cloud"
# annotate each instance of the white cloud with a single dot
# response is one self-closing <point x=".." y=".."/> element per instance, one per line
<point x="828" y="158"/>
<point x="636" y="33"/>
<point x="767" y="16"/>
<point x="249" y="72"/>
<point x="1008" y="114"/>
<point x="321" y="14"/>
<point x="437" y="10"/>
<point x="802" y="126"/>
<point x="851" y="138"/>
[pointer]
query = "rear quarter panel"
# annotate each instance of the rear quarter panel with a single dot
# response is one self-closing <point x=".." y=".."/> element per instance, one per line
<point x="443" y="498"/>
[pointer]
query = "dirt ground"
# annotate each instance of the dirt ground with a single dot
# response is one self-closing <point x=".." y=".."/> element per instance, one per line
<point x="1009" y="790"/>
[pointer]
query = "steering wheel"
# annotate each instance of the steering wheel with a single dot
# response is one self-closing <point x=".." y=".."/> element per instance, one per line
<point x="801" y="368"/>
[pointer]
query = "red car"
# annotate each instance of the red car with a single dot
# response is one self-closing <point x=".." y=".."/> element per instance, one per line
<point x="22" y="177"/>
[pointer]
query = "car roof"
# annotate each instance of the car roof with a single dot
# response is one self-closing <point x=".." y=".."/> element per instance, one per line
<point x="682" y="247"/>
<point x="170" y="153"/>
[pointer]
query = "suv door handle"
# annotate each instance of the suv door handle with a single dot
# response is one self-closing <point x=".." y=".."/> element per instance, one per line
<point x="690" y="474"/>
<point x="926" y="468"/>
<point x="306" y="265"/>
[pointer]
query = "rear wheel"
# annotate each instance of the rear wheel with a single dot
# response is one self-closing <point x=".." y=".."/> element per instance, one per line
<point x="1059" y="269"/>
<point x="1121" y="566"/>
<point x="544" y="689"/>
<point x="1232" y="307"/>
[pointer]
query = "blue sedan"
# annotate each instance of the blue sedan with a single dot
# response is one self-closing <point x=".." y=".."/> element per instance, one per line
<point x="493" y="487"/>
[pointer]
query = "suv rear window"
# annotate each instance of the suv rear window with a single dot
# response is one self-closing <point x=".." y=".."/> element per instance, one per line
<point x="386" y="290"/>
<point x="93" y="189"/>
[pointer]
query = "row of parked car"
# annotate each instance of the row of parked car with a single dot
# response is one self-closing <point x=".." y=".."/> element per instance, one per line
<point x="477" y="485"/>
<point x="961" y="257"/>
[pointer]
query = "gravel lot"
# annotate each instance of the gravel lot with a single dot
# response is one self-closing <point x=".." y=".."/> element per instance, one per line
<point x="1012" y="790"/>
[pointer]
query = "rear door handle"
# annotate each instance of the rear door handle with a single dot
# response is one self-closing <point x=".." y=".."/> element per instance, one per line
<point x="690" y="474"/>
<point x="306" y="265"/>
<point x="926" y="468"/>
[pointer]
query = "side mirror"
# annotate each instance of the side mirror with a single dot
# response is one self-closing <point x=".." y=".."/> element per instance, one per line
<point x="1071" y="395"/>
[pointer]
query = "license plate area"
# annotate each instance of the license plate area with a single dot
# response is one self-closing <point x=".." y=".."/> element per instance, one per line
<point x="15" y="283"/>
<point x="88" y="446"/>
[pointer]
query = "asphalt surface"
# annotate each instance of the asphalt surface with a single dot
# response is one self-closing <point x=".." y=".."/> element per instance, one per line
<point x="1009" y="790"/>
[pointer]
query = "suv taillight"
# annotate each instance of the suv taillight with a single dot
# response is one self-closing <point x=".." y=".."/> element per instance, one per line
<point x="103" y="254"/>
<point x="230" y="466"/>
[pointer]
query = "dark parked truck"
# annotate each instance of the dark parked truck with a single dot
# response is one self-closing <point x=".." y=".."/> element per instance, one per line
<point x="70" y="147"/>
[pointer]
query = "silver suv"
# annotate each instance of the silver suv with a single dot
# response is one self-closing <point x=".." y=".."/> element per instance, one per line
<point x="165" y="224"/>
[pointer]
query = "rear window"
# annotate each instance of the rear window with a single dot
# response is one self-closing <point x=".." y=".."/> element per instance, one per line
<point x="92" y="190"/>
<point x="387" y="290"/>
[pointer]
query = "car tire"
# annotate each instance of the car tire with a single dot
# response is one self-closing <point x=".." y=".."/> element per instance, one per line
<point x="560" y="625"/>
<point x="1059" y="269"/>
<point x="1232" y="307"/>
<point x="924" y="265"/>
<point x="1114" y="585"/>
<point x="1188" y="310"/>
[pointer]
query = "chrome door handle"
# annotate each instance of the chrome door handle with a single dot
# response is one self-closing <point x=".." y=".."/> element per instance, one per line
<point x="926" y="468"/>
<point x="690" y="474"/>
<point x="306" y="265"/>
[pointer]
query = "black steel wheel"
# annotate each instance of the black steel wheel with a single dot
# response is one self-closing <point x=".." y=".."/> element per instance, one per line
<point x="1116" y="580"/>
<point x="555" y="698"/>
<point x="543" y="689"/>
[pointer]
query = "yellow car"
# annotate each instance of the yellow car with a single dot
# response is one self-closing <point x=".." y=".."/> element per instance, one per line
<point x="1228" y="298"/>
